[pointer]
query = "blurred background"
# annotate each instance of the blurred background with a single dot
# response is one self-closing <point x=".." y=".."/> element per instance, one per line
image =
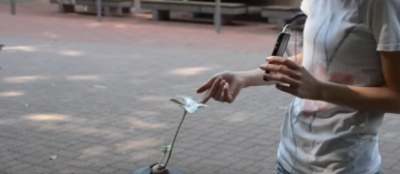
<point x="85" y="86"/>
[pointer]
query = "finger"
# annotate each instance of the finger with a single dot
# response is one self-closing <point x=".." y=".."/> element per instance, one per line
<point x="227" y="96"/>
<point x="281" y="69"/>
<point x="283" y="61"/>
<point x="219" y="95"/>
<point x="283" y="78"/>
<point x="215" y="87"/>
<point x="286" y="89"/>
<point x="206" y="97"/>
<point x="206" y="86"/>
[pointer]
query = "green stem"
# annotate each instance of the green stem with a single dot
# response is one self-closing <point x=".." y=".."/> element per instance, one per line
<point x="173" y="141"/>
<point x="159" y="162"/>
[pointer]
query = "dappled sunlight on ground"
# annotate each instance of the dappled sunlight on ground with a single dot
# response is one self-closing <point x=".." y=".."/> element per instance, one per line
<point x="152" y="98"/>
<point x="237" y="117"/>
<point x="24" y="79"/>
<point x="83" y="78"/>
<point x="71" y="53"/>
<point x="189" y="71"/>
<point x="36" y="78"/>
<point x="143" y="113"/>
<point x="89" y="130"/>
<point x="139" y="144"/>
<point x="93" y="24"/>
<point x="140" y="124"/>
<point x="94" y="151"/>
<point x="11" y="93"/>
<point x="47" y="117"/>
<point x="120" y="26"/>
<point x="20" y="48"/>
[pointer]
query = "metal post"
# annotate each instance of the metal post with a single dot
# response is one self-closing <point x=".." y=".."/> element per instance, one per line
<point x="217" y="16"/>
<point x="98" y="4"/>
<point x="137" y="4"/>
<point x="12" y="5"/>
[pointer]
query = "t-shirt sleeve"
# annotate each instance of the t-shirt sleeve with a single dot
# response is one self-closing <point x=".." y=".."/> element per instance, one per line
<point x="305" y="7"/>
<point x="384" y="18"/>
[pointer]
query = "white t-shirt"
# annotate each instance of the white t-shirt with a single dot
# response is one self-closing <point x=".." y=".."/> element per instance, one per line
<point x="342" y="40"/>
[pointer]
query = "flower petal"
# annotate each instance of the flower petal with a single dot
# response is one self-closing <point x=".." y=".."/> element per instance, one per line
<point x="190" y="110"/>
<point x="187" y="103"/>
<point x="201" y="105"/>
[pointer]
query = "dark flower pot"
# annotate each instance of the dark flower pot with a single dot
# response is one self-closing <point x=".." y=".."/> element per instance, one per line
<point x="148" y="170"/>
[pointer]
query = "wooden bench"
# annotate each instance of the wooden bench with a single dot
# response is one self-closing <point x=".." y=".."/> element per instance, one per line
<point x="121" y="6"/>
<point x="65" y="6"/>
<point x="162" y="8"/>
<point x="279" y="13"/>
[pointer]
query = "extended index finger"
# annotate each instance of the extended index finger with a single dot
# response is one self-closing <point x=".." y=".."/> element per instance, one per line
<point x="206" y="86"/>
<point x="205" y="98"/>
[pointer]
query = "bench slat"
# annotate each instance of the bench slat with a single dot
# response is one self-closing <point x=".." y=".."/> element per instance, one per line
<point x="106" y="3"/>
<point x="184" y="7"/>
<point x="229" y="11"/>
<point x="226" y="5"/>
<point x="280" y="8"/>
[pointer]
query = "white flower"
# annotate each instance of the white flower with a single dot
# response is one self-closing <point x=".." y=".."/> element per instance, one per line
<point x="166" y="149"/>
<point x="188" y="104"/>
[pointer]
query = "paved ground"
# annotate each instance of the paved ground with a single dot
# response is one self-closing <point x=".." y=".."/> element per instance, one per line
<point x="81" y="97"/>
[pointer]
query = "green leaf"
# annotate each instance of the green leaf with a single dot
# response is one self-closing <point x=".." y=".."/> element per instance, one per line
<point x="177" y="101"/>
<point x="166" y="149"/>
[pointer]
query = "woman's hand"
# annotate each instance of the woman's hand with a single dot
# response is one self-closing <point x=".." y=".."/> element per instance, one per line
<point x="301" y="83"/>
<point x="223" y="87"/>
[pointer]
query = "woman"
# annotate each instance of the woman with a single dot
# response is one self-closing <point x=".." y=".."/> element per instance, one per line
<point x="347" y="77"/>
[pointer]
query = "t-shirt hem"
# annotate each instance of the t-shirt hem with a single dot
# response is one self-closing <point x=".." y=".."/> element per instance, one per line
<point x="285" y="165"/>
<point x="388" y="47"/>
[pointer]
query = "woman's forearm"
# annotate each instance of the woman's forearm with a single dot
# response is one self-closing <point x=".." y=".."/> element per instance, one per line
<point x="379" y="99"/>
<point x="383" y="99"/>
<point x="255" y="77"/>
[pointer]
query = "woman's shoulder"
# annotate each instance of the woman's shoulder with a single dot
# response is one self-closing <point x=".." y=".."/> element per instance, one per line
<point x="305" y="6"/>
